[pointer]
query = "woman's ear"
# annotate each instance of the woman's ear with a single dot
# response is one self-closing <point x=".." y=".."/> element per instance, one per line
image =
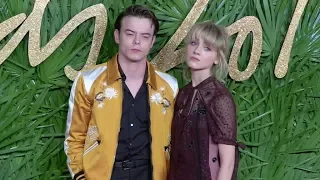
<point x="217" y="59"/>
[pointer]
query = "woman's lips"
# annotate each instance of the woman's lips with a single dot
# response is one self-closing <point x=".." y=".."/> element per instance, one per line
<point x="194" y="59"/>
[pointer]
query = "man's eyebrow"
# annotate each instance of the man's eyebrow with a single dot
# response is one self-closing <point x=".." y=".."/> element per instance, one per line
<point x="148" y="34"/>
<point x="144" y="34"/>
<point x="129" y="30"/>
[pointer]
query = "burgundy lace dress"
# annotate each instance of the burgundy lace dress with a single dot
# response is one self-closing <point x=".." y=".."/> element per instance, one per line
<point x="205" y="116"/>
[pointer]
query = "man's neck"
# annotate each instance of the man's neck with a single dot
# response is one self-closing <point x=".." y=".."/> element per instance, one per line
<point x="132" y="70"/>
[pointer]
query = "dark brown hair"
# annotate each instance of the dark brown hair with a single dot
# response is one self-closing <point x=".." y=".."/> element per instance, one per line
<point x="138" y="11"/>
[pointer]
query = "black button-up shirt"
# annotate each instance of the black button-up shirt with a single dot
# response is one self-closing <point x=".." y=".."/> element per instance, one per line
<point x="134" y="136"/>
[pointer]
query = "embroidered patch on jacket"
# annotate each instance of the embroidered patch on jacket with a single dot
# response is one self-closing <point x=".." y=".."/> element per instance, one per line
<point x="110" y="93"/>
<point x="92" y="139"/>
<point x="159" y="98"/>
<point x="106" y="93"/>
<point x="90" y="148"/>
<point x="93" y="133"/>
<point x="100" y="97"/>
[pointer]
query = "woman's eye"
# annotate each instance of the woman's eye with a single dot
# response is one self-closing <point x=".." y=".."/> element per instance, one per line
<point x="207" y="49"/>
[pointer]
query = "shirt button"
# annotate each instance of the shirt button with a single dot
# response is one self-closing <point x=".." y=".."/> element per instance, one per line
<point x="132" y="105"/>
<point x="130" y="144"/>
<point x="214" y="159"/>
<point x="191" y="144"/>
<point x="131" y="125"/>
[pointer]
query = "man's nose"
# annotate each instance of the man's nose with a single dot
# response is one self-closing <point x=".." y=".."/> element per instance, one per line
<point x="136" y="40"/>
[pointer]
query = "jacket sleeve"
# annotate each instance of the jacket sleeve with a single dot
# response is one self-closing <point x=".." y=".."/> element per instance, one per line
<point x="224" y="123"/>
<point x="79" y="114"/>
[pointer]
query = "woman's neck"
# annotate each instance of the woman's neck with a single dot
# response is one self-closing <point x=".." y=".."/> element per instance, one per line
<point x="197" y="76"/>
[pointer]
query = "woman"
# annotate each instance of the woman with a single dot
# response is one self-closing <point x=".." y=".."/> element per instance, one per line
<point x="204" y="127"/>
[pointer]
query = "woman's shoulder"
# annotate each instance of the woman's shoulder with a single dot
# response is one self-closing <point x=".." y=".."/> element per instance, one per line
<point x="185" y="89"/>
<point x="182" y="95"/>
<point x="214" y="88"/>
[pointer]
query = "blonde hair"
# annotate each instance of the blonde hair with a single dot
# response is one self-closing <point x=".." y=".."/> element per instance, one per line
<point x="218" y="38"/>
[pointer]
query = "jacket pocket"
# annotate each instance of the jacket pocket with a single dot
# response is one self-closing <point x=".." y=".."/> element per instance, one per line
<point x="92" y="147"/>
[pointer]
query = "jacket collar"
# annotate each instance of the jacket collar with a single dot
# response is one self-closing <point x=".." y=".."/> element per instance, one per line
<point x="114" y="73"/>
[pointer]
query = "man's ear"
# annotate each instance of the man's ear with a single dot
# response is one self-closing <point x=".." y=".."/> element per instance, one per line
<point x="153" y="40"/>
<point x="116" y="34"/>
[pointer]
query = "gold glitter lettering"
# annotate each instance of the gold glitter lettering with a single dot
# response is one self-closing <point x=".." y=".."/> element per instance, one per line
<point x="281" y="68"/>
<point x="168" y="58"/>
<point x="33" y="24"/>
<point x="244" y="26"/>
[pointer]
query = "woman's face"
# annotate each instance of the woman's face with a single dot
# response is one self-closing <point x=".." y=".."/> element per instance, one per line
<point x="200" y="55"/>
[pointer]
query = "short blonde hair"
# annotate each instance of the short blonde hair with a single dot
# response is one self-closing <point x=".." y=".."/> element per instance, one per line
<point x="218" y="38"/>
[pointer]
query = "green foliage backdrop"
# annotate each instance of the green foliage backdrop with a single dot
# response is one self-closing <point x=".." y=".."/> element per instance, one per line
<point x="278" y="119"/>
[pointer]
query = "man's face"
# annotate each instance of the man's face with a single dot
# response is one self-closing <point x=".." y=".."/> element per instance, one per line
<point x="135" y="38"/>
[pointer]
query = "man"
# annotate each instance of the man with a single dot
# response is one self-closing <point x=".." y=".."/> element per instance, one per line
<point x="120" y="112"/>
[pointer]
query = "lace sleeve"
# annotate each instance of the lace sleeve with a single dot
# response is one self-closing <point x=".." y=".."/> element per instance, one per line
<point x="224" y="124"/>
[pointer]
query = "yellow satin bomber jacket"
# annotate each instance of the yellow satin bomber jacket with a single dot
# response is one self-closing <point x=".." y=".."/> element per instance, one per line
<point x="94" y="115"/>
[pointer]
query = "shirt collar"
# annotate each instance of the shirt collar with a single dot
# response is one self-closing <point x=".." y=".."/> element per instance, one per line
<point x="124" y="77"/>
<point x="115" y="72"/>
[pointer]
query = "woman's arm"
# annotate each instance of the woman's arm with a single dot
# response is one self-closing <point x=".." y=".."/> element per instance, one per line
<point x="224" y="130"/>
<point x="227" y="158"/>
